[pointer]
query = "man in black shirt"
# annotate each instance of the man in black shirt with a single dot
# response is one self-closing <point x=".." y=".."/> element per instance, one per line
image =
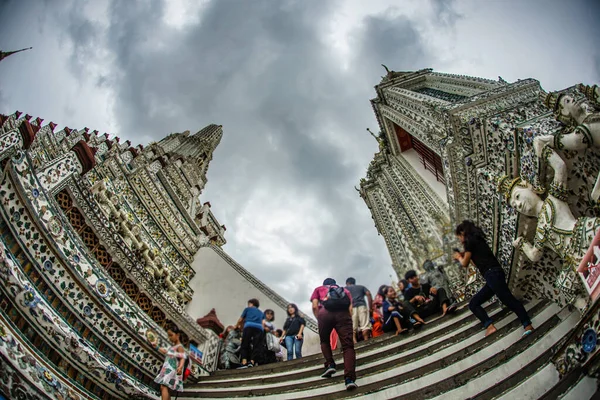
<point x="479" y="252"/>
<point x="426" y="299"/>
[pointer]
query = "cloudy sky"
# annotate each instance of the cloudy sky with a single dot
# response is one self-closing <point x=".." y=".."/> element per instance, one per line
<point x="290" y="81"/>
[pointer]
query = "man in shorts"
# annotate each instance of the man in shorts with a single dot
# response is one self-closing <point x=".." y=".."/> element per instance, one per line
<point x="361" y="317"/>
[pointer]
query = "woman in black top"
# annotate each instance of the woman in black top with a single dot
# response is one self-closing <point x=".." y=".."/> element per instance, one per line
<point x="292" y="332"/>
<point x="478" y="251"/>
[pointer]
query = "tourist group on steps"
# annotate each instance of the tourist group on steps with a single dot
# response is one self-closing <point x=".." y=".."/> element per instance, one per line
<point x="350" y="314"/>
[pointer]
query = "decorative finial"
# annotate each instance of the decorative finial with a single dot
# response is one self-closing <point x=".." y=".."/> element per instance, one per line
<point x="3" y="54"/>
<point x="506" y="184"/>
<point x="372" y="134"/>
<point x="592" y="93"/>
<point x="551" y="99"/>
<point x="387" y="70"/>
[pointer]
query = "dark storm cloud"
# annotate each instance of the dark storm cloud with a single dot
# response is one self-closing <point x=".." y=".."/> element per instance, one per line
<point x="84" y="35"/>
<point x="393" y="41"/>
<point x="294" y="118"/>
<point x="445" y="11"/>
<point x="262" y="70"/>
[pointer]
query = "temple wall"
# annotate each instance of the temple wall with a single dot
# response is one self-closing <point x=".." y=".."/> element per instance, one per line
<point x="217" y="284"/>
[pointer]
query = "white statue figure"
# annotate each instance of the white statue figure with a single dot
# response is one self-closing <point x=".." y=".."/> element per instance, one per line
<point x="557" y="229"/>
<point x="577" y="114"/>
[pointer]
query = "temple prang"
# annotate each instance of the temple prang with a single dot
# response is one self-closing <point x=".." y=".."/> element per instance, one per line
<point x="100" y="254"/>
<point x="521" y="163"/>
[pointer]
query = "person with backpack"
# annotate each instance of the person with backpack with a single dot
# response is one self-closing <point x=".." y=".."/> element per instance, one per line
<point x="171" y="374"/>
<point x="332" y="306"/>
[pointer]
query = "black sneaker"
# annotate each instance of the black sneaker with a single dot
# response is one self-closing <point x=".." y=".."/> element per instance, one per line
<point x="329" y="371"/>
<point x="350" y="385"/>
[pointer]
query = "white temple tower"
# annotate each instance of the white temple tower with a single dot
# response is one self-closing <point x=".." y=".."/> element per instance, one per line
<point x="407" y="187"/>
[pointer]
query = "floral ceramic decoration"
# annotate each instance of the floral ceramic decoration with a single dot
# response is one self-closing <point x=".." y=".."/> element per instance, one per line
<point x="589" y="340"/>
<point x="45" y="316"/>
<point x="152" y="338"/>
<point x="102" y="288"/>
<point x="69" y="247"/>
<point x="143" y="359"/>
<point x="41" y="379"/>
<point x="55" y="227"/>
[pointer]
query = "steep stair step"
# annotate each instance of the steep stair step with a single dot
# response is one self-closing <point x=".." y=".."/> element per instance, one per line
<point x="461" y="312"/>
<point x="397" y="374"/>
<point x="503" y="365"/>
<point x="546" y="384"/>
<point x="434" y="329"/>
<point x="585" y="388"/>
<point x="573" y="386"/>
<point x="377" y="360"/>
<point x="445" y="371"/>
<point x="533" y="386"/>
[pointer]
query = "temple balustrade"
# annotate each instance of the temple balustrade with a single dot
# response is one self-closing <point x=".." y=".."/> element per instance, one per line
<point x="125" y="205"/>
<point x="93" y="275"/>
<point x="151" y="231"/>
<point x="120" y="277"/>
<point x="80" y="310"/>
<point x="153" y="287"/>
<point x="56" y="337"/>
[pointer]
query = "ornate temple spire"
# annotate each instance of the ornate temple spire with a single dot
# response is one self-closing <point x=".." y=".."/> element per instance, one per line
<point x="198" y="146"/>
<point x="4" y="54"/>
<point x="211" y="135"/>
<point x="201" y="145"/>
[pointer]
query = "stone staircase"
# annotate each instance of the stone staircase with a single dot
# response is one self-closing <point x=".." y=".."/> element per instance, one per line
<point x="448" y="359"/>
